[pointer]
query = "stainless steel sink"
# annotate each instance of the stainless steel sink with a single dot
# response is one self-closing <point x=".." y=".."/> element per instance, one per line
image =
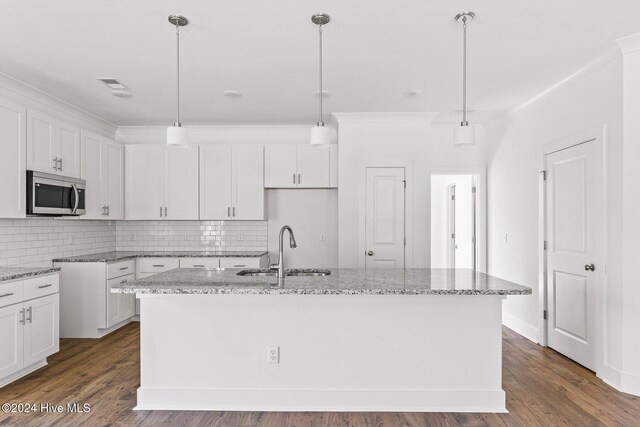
<point x="288" y="272"/>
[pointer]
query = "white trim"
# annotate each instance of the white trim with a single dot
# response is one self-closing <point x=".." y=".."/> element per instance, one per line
<point x="23" y="372"/>
<point x="629" y="43"/>
<point x="426" y="118"/>
<point x="523" y="328"/>
<point x="481" y="173"/>
<point x="339" y="400"/>
<point x="627" y="383"/>
<point x="597" y="134"/>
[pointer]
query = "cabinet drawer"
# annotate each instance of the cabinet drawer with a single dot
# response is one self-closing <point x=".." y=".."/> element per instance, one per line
<point x="11" y="293"/>
<point x="157" y="265"/>
<point x="239" y="262"/>
<point x="207" y="263"/>
<point x="41" y="286"/>
<point x="121" y="268"/>
<point x="118" y="280"/>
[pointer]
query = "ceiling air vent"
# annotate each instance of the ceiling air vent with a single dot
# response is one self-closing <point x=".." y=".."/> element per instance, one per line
<point x="117" y="88"/>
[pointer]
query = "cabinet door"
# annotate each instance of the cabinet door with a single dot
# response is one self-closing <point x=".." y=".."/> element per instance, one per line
<point x="41" y="331"/>
<point x="127" y="305"/>
<point x="119" y="306"/>
<point x="11" y="337"/>
<point x="113" y="161"/>
<point x="280" y="166"/>
<point x="313" y="166"/>
<point x="144" y="181"/>
<point x="215" y="182"/>
<point x="181" y="183"/>
<point x="13" y="149"/>
<point x="69" y="149"/>
<point x="41" y="142"/>
<point x="248" y="182"/>
<point x="93" y="174"/>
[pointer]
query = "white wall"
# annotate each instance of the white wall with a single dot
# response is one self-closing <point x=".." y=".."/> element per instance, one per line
<point x="592" y="97"/>
<point x="311" y="214"/>
<point x="394" y="139"/>
<point x="440" y="211"/>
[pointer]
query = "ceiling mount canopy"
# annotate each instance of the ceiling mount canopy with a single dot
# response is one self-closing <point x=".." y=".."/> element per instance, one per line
<point x="176" y="134"/>
<point x="320" y="135"/>
<point x="464" y="134"/>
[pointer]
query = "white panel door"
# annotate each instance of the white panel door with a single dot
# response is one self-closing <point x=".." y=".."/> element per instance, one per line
<point x="573" y="222"/>
<point x="113" y="162"/>
<point x="12" y="338"/>
<point x="248" y="184"/>
<point x="181" y="183"/>
<point x="68" y="149"/>
<point x="42" y="151"/>
<point x="215" y="182"/>
<point x="313" y="166"/>
<point x="280" y="166"/>
<point x="92" y="173"/>
<point x="144" y="181"/>
<point x="42" y="330"/>
<point x="13" y="149"/>
<point x="384" y="216"/>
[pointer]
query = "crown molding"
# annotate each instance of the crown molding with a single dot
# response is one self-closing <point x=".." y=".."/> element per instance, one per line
<point x="629" y="43"/>
<point x="413" y="117"/>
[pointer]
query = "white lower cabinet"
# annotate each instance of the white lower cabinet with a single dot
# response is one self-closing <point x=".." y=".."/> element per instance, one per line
<point x="88" y="308"/>
<point x="29" y="325"/>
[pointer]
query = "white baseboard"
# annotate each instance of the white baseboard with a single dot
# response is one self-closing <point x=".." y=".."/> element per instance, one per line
<point x="22" y="372"/>
<point x="523" y="328"/>
<point x="101" y="333"/>
<point x="488" y="401"/>
<point x="621" y="381"/>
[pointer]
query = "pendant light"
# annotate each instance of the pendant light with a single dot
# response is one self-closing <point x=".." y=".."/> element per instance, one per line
<point x="176" y="134"/>
<point x="320" y="135"/>
<point x="464" y="134"/>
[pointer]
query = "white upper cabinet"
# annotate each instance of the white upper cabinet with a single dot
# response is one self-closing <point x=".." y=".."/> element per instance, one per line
<point x="161" y="182"/>
<point x="103" y="169"/>
<point x="231" y="182"/>
<point x="53" y="146"/>
<point x="13" y="150"/>
<point x="181" y="183"/>
<point x="298" y="166"/>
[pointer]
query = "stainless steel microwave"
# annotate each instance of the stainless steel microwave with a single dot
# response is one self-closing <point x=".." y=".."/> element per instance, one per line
<point x="54" y="195"/>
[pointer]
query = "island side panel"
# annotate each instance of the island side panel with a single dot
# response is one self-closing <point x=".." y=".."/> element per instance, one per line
<point x="337" y="353"/>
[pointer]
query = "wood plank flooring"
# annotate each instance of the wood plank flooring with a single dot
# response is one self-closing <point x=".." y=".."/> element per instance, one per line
<point x="543" y="389"/>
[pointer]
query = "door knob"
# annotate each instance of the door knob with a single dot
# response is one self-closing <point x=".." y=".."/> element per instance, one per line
<point x="370" y="253"/>
<point x="590" y="267"/>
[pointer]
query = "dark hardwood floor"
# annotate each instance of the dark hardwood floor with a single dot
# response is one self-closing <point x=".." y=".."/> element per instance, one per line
<point x="543" y="389"/>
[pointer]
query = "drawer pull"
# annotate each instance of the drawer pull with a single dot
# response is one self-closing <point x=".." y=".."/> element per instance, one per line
<point x="123" y="282"/>
<point x="6" y="295"/>
<point x="198" y="265"/>
<point x="124" y="268"/>
<point x="30" y="314"/>
<point x="158" y="265"/>
<point x="239" y="265"/>
<point x="44" y="286"/>
<point x="22" y="313"/>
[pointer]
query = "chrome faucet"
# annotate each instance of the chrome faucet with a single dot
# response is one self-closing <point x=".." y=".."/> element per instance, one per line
<point x="280" y="265"/>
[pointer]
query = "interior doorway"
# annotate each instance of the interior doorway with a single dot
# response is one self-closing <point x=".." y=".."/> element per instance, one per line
<point x="454" y="221"/>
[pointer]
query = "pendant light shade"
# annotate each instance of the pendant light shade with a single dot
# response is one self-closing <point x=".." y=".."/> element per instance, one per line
<point x="177" y="136"/>
<point x="464" y="134"/>
<point x="320" y="135"/>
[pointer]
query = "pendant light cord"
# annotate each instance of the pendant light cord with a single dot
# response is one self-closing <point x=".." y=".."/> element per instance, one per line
<point x="320" y="122"/>
<point x="178" y="74"/>
<point x="464" y="72"/>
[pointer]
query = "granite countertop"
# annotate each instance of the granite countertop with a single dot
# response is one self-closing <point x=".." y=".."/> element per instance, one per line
<point x="14" y="273"/>
<point x="122" y="255"/>
<point x="343" y="281"/>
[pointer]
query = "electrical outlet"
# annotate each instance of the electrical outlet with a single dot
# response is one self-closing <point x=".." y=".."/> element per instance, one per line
<point x="273" y="354"/>
<point x="323" y="237"/>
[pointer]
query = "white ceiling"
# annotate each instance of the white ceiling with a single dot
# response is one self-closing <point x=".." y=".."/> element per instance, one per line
<point x="375" y="51"/>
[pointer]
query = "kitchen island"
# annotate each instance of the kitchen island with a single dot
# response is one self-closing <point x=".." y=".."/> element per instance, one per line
<point x="352" y="340"/>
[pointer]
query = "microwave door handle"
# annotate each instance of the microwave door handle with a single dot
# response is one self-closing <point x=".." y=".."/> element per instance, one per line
<point x="77" y="196"/>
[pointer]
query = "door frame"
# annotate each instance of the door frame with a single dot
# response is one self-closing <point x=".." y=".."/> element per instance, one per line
<point x="408" y="210"/>
<point x="480" y="173"/>
<point x="597" y="136"/>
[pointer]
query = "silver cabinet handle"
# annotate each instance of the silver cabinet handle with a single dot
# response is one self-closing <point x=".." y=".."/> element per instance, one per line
<point x="299" y="180"/>
<point x="60" y="164"/>
<point x="30" y="311"/>
<point x="198" y="265"/>
<point x="590" y="267"/>
<point x="239" y="265"/>
<point x="160" y="210"/>
<point x="228" y="211"/>
<point x="123" y="281"/>
<point x="370" y="253"/>
<point x="124" y="268"/>
<point x="6" y="295"/>
<point x="158" y="265"/>
<point x="22" y="320"/>
<point x="103" y="210"/>
<point x="294" y="178"/>
<point x="233" y="209"/>
<point x="165" y="211"/>
<point x="45" y="286"/>
<point x="108" y="210"/>
<point x="55" y="163"/>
